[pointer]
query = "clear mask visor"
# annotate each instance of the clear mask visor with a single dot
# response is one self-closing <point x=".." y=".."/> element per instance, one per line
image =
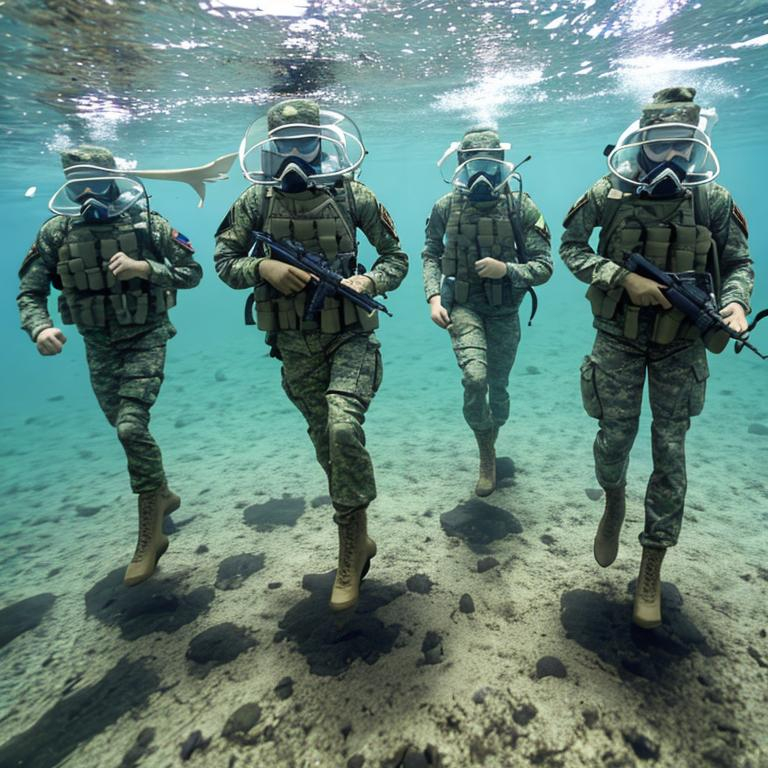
<point x="481" y="170"/>
<point x="645" y="149"/>
<point x="325" y="152"/>
<point x="115" y="191"/>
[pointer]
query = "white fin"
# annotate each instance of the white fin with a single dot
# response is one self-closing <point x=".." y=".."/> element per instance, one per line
<point x="217" y="170"/>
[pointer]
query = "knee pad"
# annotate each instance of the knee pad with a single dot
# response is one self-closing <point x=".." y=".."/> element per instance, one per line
<point x="344" y="433"/>
<point x="130" y="428"/>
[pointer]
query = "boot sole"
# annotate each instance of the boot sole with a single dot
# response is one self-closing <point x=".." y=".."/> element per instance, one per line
<point x="162" y="549"/>
<point x="643" y="624"/>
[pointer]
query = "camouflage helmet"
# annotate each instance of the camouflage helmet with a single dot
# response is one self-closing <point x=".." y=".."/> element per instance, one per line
<point x="480" y="137"/>
<point x="293" y="111"/>
<point x="86" y="154"/>
<point x="671" y="105"/>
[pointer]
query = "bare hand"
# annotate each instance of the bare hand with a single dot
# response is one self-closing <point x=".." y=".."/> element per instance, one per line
<point x="284" y="277"/>
<point x="645" y="292"/>
<point x="123" y="267"/>
<point x="50" y="341"/>
<point x="734" y="316"/>
<point x="359" y="283"/>
<point x="491" y="268"/>
<point x="438" y="313"/>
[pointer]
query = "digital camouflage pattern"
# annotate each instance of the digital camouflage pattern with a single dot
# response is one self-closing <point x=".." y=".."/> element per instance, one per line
<point x="613" y="377"/>
<point x="485" y="338"/>
<point x="291" y="111"/>
<point x="479" y="138"/>
<point x="331" y="378"/>
<point x="671" y="105"/>
<point x="125" y="361"/>
<point x="87" y="154"/>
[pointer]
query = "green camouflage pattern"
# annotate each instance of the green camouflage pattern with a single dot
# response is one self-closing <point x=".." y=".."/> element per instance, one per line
<point x="293" y="111"/>
<point x="485" y="338"/>
<point x="331" y="378"/>
<point x="612" y="381"/>
<point x="125" y="362"/>
<point x="671" y="105"/>
<point x="87" y="154"/>
<point x="612" y="378"/>
<point x="126" y="375"/>
<point x="479" y="138"/>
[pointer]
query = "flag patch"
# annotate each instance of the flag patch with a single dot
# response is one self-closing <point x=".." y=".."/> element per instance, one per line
<point x="182" y="240"/>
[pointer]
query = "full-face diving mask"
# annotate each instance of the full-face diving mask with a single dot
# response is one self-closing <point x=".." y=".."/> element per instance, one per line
<point x="663" y="160"/>
<point x="480" y="173"/>
<point x="97" y="194"/>
<point x="299" y="156"/>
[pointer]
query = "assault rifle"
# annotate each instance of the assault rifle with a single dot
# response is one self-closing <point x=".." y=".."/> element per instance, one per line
<point x="327" y="283"/>
<point x="693" y="294"/>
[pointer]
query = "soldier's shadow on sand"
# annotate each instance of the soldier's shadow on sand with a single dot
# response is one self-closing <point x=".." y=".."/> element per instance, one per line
<point x="605" y="627"/>
<point x="479" y="523"/>
<point x="331" y="642"/>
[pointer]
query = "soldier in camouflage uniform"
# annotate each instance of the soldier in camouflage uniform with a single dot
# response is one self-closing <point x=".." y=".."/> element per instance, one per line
<point x="492" y="246"/>
<point x="118" y="267"/>
<point x="660" y="200"/>
<point x="331" y="367"/>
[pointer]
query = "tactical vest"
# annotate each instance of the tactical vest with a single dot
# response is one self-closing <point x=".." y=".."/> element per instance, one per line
<point x="90" y="293"/>
<point x="475" y="232"/>
<point x="323" y="223"/>
<point x="666" y="232"/>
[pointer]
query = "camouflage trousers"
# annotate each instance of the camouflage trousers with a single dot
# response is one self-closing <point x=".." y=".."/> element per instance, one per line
<point x="485" y="341"/>
<point x="126" y="376"/>
<point x="612" y="380"/>
<point x="331" y="379"/>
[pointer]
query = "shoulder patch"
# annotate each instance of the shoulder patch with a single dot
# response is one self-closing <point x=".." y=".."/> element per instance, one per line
<point x="740" y="219"/>
<point x="226" y="222"/>
<point x="386" y="220"/>
<point x="181" y="240"/>
<point x="32" y="254"/>
<point x="541" y="227"/>
<point x="580" y="203"/>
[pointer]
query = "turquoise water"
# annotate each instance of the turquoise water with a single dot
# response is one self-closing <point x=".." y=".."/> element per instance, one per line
<point x="176" y="84"/>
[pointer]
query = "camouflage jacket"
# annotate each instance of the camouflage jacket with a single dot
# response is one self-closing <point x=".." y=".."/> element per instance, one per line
<point x="38" y="272"/>
<point x="536" y="271"/>
<point x="727" y="225"/>
<point x="234" y="239"/>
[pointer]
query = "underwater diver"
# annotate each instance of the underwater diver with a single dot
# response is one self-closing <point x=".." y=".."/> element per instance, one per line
<point x="485" y="247"/>
<point x="118" y="266"/>
<point x="659" y="200"/>
<point x="301" y="162"/>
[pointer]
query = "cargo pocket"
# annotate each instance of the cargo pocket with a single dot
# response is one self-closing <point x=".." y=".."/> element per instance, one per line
<point x="700" y="371"/>
<point x="589" y="396"/>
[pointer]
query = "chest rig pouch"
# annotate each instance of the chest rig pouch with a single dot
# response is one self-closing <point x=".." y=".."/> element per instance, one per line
<point x="91" y="295"/>
<point x="666" y="233"/>
<point x="475" y="232"/>
<point x="322" y="221"/>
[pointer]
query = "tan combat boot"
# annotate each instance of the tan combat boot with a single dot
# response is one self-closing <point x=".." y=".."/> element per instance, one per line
<point x="153" y="507"/>
<point x="355" y="553"/>
<point x="607" y="538"/>
<point x="647" y="610"/>
<point x="486" y="482"/>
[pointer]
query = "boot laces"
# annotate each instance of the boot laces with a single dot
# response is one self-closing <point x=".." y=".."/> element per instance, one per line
<point x="145" y="527"/>
<point x="347" y="553"/>
<point x="650" y="577"/>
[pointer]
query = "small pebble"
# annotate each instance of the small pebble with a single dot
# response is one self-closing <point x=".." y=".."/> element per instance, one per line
<point x="486" y="563"/>
<point x="466" y="604"/>
<point x="550" y="666"/>
<point x="284" y="689"/>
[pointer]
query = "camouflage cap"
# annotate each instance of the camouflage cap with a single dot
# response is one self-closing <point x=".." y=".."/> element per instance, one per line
<point x="671" y="105"/>
<point x="293" y="111"/>
<point x="86" y="154"/>
<point x="480" y="137"/>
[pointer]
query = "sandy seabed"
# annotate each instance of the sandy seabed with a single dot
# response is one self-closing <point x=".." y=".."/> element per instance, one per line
<point x="486" y="633"/>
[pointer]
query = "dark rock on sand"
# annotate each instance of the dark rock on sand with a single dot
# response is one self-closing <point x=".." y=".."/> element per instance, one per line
<point x="757" y="429"/>
<point x="267" y="516"/>
<point x="356" y="761"/>
<point x="330" y="643"/>
<point x="24" y="615"/>
<point x="241" y="722"/>
<point x="411" y="757"/>
<point x="234" y="570"/>
<point x="550" y="666"/>
<point x="525" y="713"/>
<point x="486" y="563"/>
<point x="78" y="718"/>
<point x="219" y="645"/>
<point x="156" y="605"/>
<point x="641" y="745"/>
<point x="83" y="511"/>
<point x="284" y="689"/>
<point x="420" y="583"/>
<point x="194" y="742"/>
<point x="466" y="604"/>
<point x="141" y="748"/>
<point x="479" y="523"/>
<point x="432" y="648"/>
